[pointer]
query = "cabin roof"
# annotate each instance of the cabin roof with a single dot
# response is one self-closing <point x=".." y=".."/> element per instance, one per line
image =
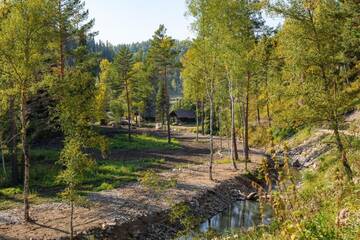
<point x="182" y="113"/>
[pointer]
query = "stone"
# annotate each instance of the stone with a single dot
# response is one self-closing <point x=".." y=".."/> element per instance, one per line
<point x="342" y="217"/>
<point x="252" y="196"/>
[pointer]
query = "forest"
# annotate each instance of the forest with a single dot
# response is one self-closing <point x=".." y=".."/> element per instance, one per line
<point x="244" y="132"/>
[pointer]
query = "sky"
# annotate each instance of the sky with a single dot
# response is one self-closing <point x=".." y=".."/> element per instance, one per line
<point x="128" y="21"/>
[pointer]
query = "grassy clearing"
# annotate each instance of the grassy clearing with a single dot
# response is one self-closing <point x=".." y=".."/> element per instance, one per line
<point x="106" y="175"/>
<point x="112" y="174"/>
<point x="45" y="187"/>
<point x="143" y="142"/>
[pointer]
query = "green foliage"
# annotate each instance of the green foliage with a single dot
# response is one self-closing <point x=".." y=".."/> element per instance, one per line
<point x="181" y="213"/>
<point x="161" y="57"/>
<point x="105" y="186"/>
<point x="309" y="212"/>
<point x="282" y="133"/>
<point x="259" y="136"/>
<point x="103" y="92"/>
<point x="77" y="164"/>
<point x="115" y="173"/>
<point x="143" y="142"/>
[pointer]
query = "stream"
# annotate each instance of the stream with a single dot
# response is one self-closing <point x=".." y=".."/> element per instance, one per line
<point x="240" y="215"/>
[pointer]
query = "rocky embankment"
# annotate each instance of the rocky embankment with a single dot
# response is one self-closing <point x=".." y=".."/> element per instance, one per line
<point x="305" y="155"/>
<point x="206" y="203"/>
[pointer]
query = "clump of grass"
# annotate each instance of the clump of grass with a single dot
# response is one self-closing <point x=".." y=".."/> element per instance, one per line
<point x="143" y="142"/>
<point x="154" y="182"/>
<point x="223" y="161"/>
<point x="105" y="186"/>
<point x="116" y="173"/>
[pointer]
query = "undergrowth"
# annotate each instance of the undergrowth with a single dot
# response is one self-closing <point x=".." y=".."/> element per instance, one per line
<point x="322" y="206"/>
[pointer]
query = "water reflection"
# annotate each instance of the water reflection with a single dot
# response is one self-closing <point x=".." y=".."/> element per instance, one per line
<point x="240" y="215"/>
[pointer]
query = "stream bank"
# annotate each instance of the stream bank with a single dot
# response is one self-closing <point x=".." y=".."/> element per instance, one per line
<point x="208" y="203"/>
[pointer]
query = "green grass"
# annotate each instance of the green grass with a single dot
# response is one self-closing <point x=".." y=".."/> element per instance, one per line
<point x="300" y="136"/>
<point x="143" y="142"/>
<point x="112" y="174"/>
<point x="107" y="175"/>
<point x="12" y="197"/>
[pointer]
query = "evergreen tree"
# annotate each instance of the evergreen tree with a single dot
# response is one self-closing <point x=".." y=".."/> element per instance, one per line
<point x="162" y="59"/>
<point x="123" y="66"/>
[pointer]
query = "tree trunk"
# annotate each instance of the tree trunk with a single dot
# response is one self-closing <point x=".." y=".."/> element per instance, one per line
<point x="246" y="123"/>
<point x="220" y="133"/>
<point x="258" y="117"/>
<point x="3" y="160"/>
<point x="62" y="43"/>
<point x="234" y="153"/>
<point x="197" y="121"/>
<point x="12" y="143"/>
<point x="203" y="117"/>
<point x="71" y="220"/>
<point x="241" y="120"/>
<point x="211" y="137"/>
<point x="268" y="114"/>
<point x="342" y="151"/>
<point x="129" y="110"/>
<point x="167" y="107"/>
<point x="24" y="143"/>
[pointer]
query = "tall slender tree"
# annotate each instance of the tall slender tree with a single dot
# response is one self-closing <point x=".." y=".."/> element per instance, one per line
<point x="24" y="47"/>
<point x="162" y="57"/>
<point x="123" y="66"/>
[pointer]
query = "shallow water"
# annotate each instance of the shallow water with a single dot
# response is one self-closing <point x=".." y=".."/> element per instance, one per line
<point x="241" y="215"/>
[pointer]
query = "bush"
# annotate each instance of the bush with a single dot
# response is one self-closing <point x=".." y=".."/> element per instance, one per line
<point x="282" y="133"/>
<point x="105" y="186"/>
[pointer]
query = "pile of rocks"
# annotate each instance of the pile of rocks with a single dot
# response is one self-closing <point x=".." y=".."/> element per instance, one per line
<point x="306" y="154"/>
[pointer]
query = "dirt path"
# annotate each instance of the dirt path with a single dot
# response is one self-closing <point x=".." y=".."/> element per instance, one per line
<point x="131" y="202"/>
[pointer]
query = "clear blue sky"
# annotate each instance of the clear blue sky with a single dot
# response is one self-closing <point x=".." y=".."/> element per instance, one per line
<point x="127" y="21"/>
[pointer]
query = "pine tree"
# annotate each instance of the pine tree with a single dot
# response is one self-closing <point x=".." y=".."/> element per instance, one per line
<point x="162" y="58"/>
<point x="123" y="66"/>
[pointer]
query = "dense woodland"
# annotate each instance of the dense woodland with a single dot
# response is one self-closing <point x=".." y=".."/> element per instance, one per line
<point x="247" y="82"/>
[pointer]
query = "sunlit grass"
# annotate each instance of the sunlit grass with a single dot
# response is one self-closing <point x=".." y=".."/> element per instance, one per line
<point x="143" y="142"/>
<point x="44" y="170"/>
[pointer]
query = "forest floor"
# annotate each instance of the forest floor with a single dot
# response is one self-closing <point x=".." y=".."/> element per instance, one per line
<point x="186" y="163"/>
